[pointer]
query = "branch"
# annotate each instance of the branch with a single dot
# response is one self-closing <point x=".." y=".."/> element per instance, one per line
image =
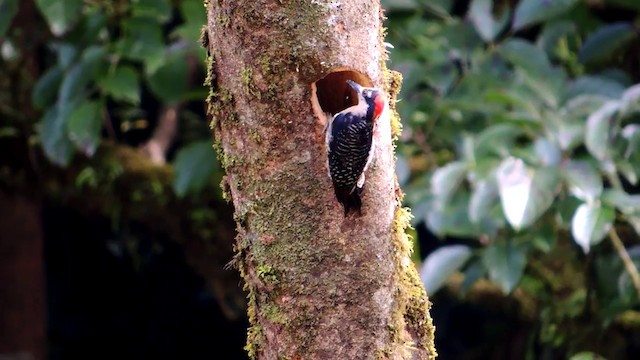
<point x="164" y="134"/>
<point x="626" y="259"/>
<point x="156" y="148"/>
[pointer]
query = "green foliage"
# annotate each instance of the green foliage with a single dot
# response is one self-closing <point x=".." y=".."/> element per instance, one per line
<point x="169" y="81"/>
<point x="121" y="84"/>
<point x="46" y="89"/>
<point x="60" y="15"/>
<point x="84" y="126"/>
<point x="530" y="12"/>
<point x="530" y="130"/>
<point x="442" y="263"/>
<point x="106" y="64"/>
<point x="53" y="135"/>
<point x="590" y="224"/>
<point x="586" y="355"/>
<point x="193" y="167"/>
<point x="505" y="263"/>
<point x="481" y="14"/>
<point x="605" y="42"/>
<point x="8" y="9"/>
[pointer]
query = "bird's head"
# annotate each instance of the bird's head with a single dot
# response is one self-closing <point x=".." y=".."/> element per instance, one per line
<point x="372" y="97"/>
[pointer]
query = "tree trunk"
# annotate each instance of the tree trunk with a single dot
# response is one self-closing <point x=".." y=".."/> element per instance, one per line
<point x="22" y="279"/>
<point x="22" y="288"/>
<point x="321" y="285"/>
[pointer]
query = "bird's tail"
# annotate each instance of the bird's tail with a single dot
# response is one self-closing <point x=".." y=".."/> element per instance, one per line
<point x="350" y="200"/>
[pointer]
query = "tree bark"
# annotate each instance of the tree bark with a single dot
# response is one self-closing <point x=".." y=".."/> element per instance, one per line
<point x="321" y="285"/>
<point x="22" y="288"/>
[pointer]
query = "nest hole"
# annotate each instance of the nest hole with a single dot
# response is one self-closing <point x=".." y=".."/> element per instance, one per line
<point x="332" y="94"/>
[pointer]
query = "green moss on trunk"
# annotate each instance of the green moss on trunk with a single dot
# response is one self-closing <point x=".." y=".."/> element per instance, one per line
<point x="303" y="264"/>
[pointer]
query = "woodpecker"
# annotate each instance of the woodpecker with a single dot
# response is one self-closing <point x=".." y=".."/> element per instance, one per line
<point x="350" y="144"/>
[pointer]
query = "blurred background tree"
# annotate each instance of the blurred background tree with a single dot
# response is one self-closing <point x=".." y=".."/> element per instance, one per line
<point x="519" y="157"/>
<point x="104" y="137"/>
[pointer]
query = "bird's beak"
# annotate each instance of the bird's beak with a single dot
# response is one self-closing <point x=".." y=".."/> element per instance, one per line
<point x="355" y="86"/>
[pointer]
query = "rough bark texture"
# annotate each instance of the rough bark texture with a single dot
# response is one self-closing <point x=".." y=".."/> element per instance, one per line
<point x="321" y="286"/>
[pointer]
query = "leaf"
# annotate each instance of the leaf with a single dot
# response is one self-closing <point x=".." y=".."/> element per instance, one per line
<point x="452" y="218"/>
<point x="582" y="106"/>
<point x="534" y="69"/>
<point x="631" y="133"/>
<point x="81" y="74"/>
<point x="597" y="133"/>
<point x="85" y="125"/>
<point x="158" y="10"/>
<point x="525" y="193"/>
<point x="46" y="89"/>
<point x="87" y="178"/>
<point x="567" y="127"/>
<point x="143" y="41"/>
<point x="525" y="55"/>
<point x="94" y="21"/>
<point x="67" y="54"/>
<point x="553" y="33"/>
<point x="441" y="263"/>
<point x="594" y="85"/>
<point x="188" y="31"/>
<point x="628" y="170"/>
<point x="565" y="207"/>
<point x="586" y="355"/>
<point x="93" y="57"/>
<point x="194" y="15"/>
<point x="444" y="76"/>
<point x="616" y="75"/>
<point x="630" y="102"/>
<point x="439" y="8"/>
<point x="447" y="179"/>
<point x="505" y="262"/>
<point x="590" y="224"/>
<point x="530" y="12"/>
<point x="547" y="153"/>
<point x="194" y="165"/>
<point x="473" y="272"/>
<point x="546" y="85"/>
<point x="169" y="82"/>
<point x="8" y="9"/>
<point x="193" y="11"/>
<point x="53" y="135"/>
<point x="460" y="35"/>
<point x="544" y="238"/>
<point x="584" y="181"/>
<point x="625" y="203"/>
<point x="605" y="42"/>
<point x="566" y="132"/>
<point x="73" y="83"/>
<point x="496" y="139"/>
<point x="60" y="15"/>
<point x="483" y="198"/>
<point x="122" y="84"/>
<point x="481" y="15"/>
